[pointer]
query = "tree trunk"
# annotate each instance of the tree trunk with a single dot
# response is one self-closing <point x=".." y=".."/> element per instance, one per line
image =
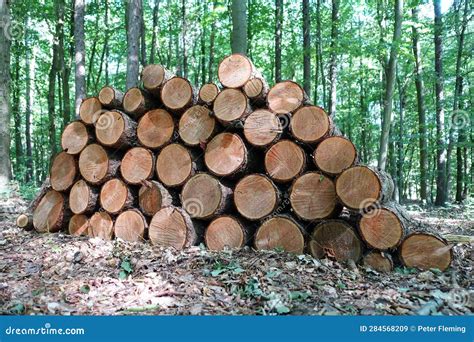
<point x="319" y="48"/>
<point x="306" y="48"/>
<point x="333" y="62"/>
<point x="80" y="53"/>
<point x="156" y="28"/>
<point x="278" y="30"/>
<point x="133" y="42"/>
<point x="183" y="39"/>
<point x="142" y="36"/>
<point x="211" y="47"/>
<point x="29" y="70"/>
<point x="239" y="26"/>
<point x="390" y="81"/>
<point x="51" y="98"/>
<point x="63" y="66"/>
<point x="19" y="158"/>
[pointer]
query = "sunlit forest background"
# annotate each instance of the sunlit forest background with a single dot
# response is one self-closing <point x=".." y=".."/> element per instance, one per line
<point x="346" y="48"/>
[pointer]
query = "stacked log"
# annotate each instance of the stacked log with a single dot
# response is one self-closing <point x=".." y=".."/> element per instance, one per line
<point x="235" y="164"/>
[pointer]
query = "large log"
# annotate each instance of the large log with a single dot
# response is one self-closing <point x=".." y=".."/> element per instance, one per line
<point x="75" y="137"/>
<point x="236" y="70"/>
<point x="255" y="196"/>
<point x="286" y="97"/>
<point x="285" y="161"/>
<point x="361" y="187"/>
<point x="334" y="154"/>
<point x="79" y="225"/>
<point x="425" y="250"/>
<point x="63" y="171"/>
<point x="137" y="165"/>
<point x="262" y="128"/>
<point x="175" y="165"/>
<point x="178" y="94"/>
<point x="197" y="126"/>
<point x="96" y="165"/>
<point x="280" y="232"/>
<point x="101" y="225"/>
<point x="155" y="129"/>
<point x="231" y="106"/>
<point x="152" y="197"/>
<point x="225" y="232"/>
<point x="379" y="261"/>
<point x="313" y="197"/>
<point x="204" y="197"/>
<point x="137" y="102"/>
<point x="256" y="90"/>
<point x="154" y="76"/>
<point x="90" y="110"/>
<point x="310" y="124"/>
<point x="51" y="214"/>
<point x="208" y="93"/>
<point x="115" y="196"/>
<point x="111" y="98"/>
<point x="172" y="227"/>
<point x="83" y="198"/>
<point x="130" y="225"/>
<point x="116" y="130"/>
<point x="226" y="155"/>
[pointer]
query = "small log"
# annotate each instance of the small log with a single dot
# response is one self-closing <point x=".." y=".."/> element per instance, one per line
<point x="208" y="93"/>
<point x="90" y="110"/>
<point x="197" y="126"/>
<point x="178" y="94"/>
<point x="137" y="165"/>
<point x="79" y="225"/>
<point x="75" y="137"/>
<point x="175" y="165"/>
<point x="236" y="70"/>
<point x="155" y="129"/>
<point x="204" y="197"/>
<point x="137" y="102"/>
<point x="172" y="227"/>
<point x="96" y="165"/>
<point x="152" y="197"/>
<point x="154" y="76"/>
<point x="116" y="130"/>
<point x="285" y="161"/>
<point x="425" y="250"/>
<point x="310" y="124"/>
<point x="83" y="198"/>
<point x="334" y="154"/>
<point x="225" y="232"/>
<point x="360" y="187"/>
<point x="24" y="221"/>
<point x="313" y="197"/>
<point x="116" y="196"/>
<point x="51" y="214"/>
<point x="335" y="239"/>
<point x="101" y="225"/>
<point x="384" y="227"/>
<point x="111" y="98"/>
<point x="256" y="90"/>
<point x="226" y="155"/>
<point x="286" y="97"/>
<point x="255" y="196"/>
<point x="130" y="225"/>
<point x="280" y="232"/>
<point x="262" y="128"/>
<point x="63" y="171"/>
<point x="379" y="261"/>
<point x="231" y="106"/>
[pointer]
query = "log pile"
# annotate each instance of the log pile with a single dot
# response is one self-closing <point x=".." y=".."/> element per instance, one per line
<point x="235" y="164"/>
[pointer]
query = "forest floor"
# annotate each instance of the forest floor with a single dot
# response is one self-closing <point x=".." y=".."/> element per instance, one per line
<point x="60" y="274"/>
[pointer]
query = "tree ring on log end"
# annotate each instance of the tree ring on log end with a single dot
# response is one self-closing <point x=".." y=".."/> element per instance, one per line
<point x="201" y="196"/>
<point x="262" y="127"/>
<point x="101" y="225"/>
<point x="255" y="197"/>
<point x="280" y="232"/>
<point x="176" y="93"/>
<point x="168" y="228"/>
<point x="358" y="187"/>
<point x="196" y="125"/>
<point x="174" y="165"/>
<point x="155" y="128"/>
<point x="381" y="229"/>
<point x="90" y="110"/>
<point x="79" y="225"/>
<point x="63" y="171"/>
<point x="285" y="97"/>
<point x="49" y="214"/>
<point x="425" y="251"/>
<point x="310" y="124"/>
<point x="114" y="195"/>
<point x="74" y="138"/>
<point x="130" y="226"/>
<point x="284" y="161"/>
<point x="234" y="71"/>
<point x="224" y="232"/>
<point x="137" y="165"/>
<point x="225" y="154"/>
<point x="334" y="154"/>
<point x="93" y="163"/>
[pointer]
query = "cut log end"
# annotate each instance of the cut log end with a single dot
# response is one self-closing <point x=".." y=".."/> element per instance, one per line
<point x="137" y="165"/>
<point x="425" y="251"/>
<point x="358" y="187"/>
<point x="378" y="261"/>
<point x="284" y="161"/>
<point x="177" y="94"/>
<point x="224" y="232"/>
<point x="135" y="102"/>
<point x="225" y="154"/>
<point x="196" y="126"/>
<point x="90" y="110"/>
<point x="110" y="97"/>
<point x="310" y="124"/>
<point x="208" y="93"/>
<point x="334" y="154"/>
<point x="153" y="77"/>
<point x="115" y="129"/>
<point x="380" y="228"/>
<point x="231" y="105"/>
<point x="152" y="197"/>
<point x="280" y="232"/>
<point x="49" y="215"/>
<point x="130" y="226"/>
<point x="285" y="97"/>
<point x="255" y="197"/>
<point x="95" y="165"/>
<point x="115" y="196"/>
<point x="24" y="221"/>
<point x="101" y="225"/>
<point x="74" y="138"/>
<point x="262" y="128"/>
<point x="253" y="88"/>
<point x="234" y="71"/>
<point x="174" y="165"/>
<point x="63" y="171"/>
<point x="79" y="225"/>
<point x="82" y="198"/>
<point x="155" y="128"/>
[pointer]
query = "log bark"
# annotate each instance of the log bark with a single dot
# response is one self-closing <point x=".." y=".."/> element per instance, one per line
<point x="116" y="196"/>
<point x="204" y="197"/>
<point x="334" y="154"/>
<point x="426" y="250"/>
<point x="116" y="130"/>
<point x="52" y="213"/>
<point x="225" y="232"/>
<point x="90" y="110"/>
<point x="155" y="129"/>
<point x="175" y="165"/>
<point x="152" y="197"/>
<point x="286" y="97"/>
<point x="231" y="106"/>
<point x="137" y="165"/>
<point x="111" y="98"/>
<point x="236" y="70"/>
<point x="75" y="137"/>
<point x="226" y="155"/>
<point x="379" y="261"/>
<point x="101" y="225"/>
<point x="178" y="94"/>
<point x="208" y="93"/>
<point x="280" y="232"/>
<point x="262" y="128"/>
<point x="311" y="124"/>
<point x="130" y="225"/>
<point x="96" y="165"/>
<point x="83" y="198"/>
<point x="197" y="126"/>
<point x="63" y="171"/>
<point x="285" y="161"/>
<point x="24" y="221"/>
<point x="137" y="102"/>
<point x="255" y="197"/>
<point x="256" y="90"/>
<point x="79" y="225"/>
<point x="154" y="76"/>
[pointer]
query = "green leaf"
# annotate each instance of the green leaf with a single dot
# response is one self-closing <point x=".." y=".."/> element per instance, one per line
<point x="296" y="295"/>
<point x="282" y="309"/>
<point x="126" y="266"/>
<point x="215" y="273"/>
<point x="18" y="309"/>
<point x="85" y="289"/>
<point x="122" y="275"/>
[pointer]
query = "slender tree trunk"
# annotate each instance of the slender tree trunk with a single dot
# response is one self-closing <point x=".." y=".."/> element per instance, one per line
<point x="203" y="44"/>
<point x="306" y="48"/>
<point x="107" y="53"/>
<point x="183" y="37"/>
<point x="460" y="169"/>
<point x="17" y="117"/>
<point x="278" y="29"/>
<point x="211" y="46"/>
<point x="440" y="139"/>
<point x="133" y="41"/>
<point x="390" y="76"/>
<point x="80" y="53"/>
<point x="319" y="48"/>
<point x="63" y="66"/>
<point x="29" y="64"/>
<point x="239" y="26"/>
<point x="400" y="145"/>
<point x="156" y="28"/>
<point x="142" y="36"/>
<point x="90" y="69"/>
<point x="333" y="62"/>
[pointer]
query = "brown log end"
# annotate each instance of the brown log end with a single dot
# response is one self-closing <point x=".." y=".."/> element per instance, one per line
<point x="334" y="154"/>
<point x="95" y="165"/>
<point x="90" y="110"/>
<point x="78" y="225"/>
<point x="130" y="226"/>
<point x="75" y="137"/>
<point x="358" y="187"/>
<point x="225" y="154"/>
<point x="224" y="232"/>
<point x="115" y="196"/>
<point x="196" y="126"/>
<point x="379" y="261"/>
<point x="82" y="198"/>
<point x="313" y="197"/>
<point x="285" y="97"/>
<point x="335" y="239"/>
<point x="137" y="165"/>
<point x="155" y="128"/>
<point x="310" y="124"/>
<point x="255" y="196"/>
<point x="380" y="228"/>
<point x="101" y="225"/>
<point x="234" y="71"/>
<point x="425" y="251"/>
<point x="63" y="171"/>
<point x="153" y="77"/>
<point x="135" y="102"/>
<point x="174" y="165"/>
<point x="110" y="97"/>
<point x="152" y="197"/>
<point x="262" y="128"/>
<point x="231" y="105"/>
<point x="24" y="221"/>
<point x="208" y="93"/>
<point x="115" y="129"/>
<point x="49" y="215"/>
<point x="280" y="232"/>
<point x="253" y="88"/>
<point x="284" y="161"/>
<point x="177" y="93"/>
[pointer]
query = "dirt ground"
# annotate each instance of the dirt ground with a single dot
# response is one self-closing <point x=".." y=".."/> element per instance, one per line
<point x="60" y="274"/>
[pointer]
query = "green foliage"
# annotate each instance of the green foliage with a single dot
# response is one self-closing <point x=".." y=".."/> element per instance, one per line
<point x="125" y="269"/>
